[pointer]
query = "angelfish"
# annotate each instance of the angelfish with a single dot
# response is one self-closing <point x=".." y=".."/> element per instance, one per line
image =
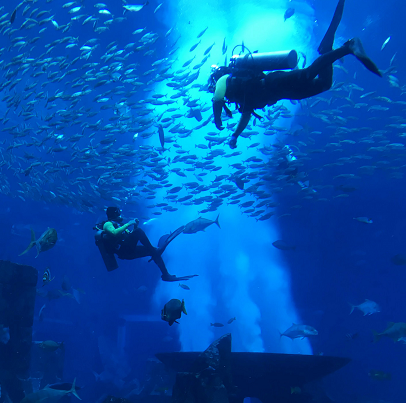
<point x="46" y="277"/>
<point x="45" y="242"/>
<point x="173" y="310"/>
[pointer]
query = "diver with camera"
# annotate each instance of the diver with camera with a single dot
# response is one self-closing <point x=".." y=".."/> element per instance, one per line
<point x="244" y="82"/>
<point x="114" y="238"/>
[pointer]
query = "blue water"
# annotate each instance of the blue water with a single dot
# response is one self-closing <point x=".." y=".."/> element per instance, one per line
<point x="337" y="261"/>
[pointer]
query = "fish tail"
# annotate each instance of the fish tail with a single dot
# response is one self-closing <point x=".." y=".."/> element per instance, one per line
<point x="62" y="345"/>
<point x="73" y="390"/>
<point x="183" y="307"/>
<point x="352" y="308"/>
<point x="377" y="336"/>
<point x="217" y="221"/>
<point x="32" y="243"/>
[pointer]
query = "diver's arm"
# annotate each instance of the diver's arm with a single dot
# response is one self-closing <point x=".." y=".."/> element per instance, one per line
<point x="242" y="124"/>
<point x="109" y="227"/>
<point x="218" y="101"/>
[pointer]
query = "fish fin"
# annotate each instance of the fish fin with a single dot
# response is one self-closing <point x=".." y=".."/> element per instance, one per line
<point x="32" y="243"/>
<point x="183" y="307"/>
<point x="352" y="308"/>
<point x="217" y="221"/>
<point x="176" y="322"/>
<point x="28" y="248"/>
<point x="73" y="389"/>
<point x="280" y="334"/>
<point x="38" y="250"/>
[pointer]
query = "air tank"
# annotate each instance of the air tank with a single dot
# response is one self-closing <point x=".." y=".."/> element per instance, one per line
<point x="268" y="61"/>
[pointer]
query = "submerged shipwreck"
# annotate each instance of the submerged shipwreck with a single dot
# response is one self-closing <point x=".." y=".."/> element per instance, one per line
<point x="221" y="376"/>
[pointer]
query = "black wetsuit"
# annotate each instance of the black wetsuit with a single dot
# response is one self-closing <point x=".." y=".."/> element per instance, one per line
<point x="126" y="247"/>
<point x="267" y="89"/>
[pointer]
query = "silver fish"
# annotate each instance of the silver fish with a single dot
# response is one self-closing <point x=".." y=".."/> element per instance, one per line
<point x="45" y="242"/>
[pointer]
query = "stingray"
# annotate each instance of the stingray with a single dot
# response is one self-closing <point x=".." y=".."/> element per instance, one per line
<point x="194" y="113"/>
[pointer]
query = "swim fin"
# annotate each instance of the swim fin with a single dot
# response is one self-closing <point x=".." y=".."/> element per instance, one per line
<point x="172" y="277"/>
<point x="165" y="240"/>
<point x="355" y="45"/>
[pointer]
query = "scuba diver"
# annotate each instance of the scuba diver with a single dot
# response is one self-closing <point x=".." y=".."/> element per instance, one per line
<point x="244" y="83"/>
<point x="113" y="238"/>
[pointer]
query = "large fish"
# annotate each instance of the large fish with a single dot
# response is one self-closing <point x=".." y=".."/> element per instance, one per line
<point x="395" y="331"/>
<point x="199" y="224"/>
<point x="45" y="242"/>
<point x="367" y="307"/>
<point x="49" y="395"/>
<point x="299" y="331"/>
<point x="173" y="310"/>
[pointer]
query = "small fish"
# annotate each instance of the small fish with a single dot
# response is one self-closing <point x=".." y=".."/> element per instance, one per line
<point x="74" y="10"/>
<point x="224" y="47"/>
<point x="194" y="46"/>
<point x="201" y="33"/>
<point x="299" y="331"/>
<point x="282" y="245"/>
<point x="230" y="321"/>
<point x="45" y="242"/>
<point x="13" y="16"/>
<point x="289" y="13"/>
<point x="367" y="307"/>
<point x="216" y="324"/>
<point x="380" y="375"/>
<point x="46" y="277"/>
<point x="184" y="286"/>
<point x="173" y="310"/>
<point x="364" y="220"/>
<point x="385" y="43"/>
<point x="295" y="390"/>
<point x="208" y="49"/>
<point x="134" y="8"/>
<point x="161" y="135"/>
<point x="50" y="345"/>
<point x="199" y="224"/>
<point x="158" y="7"/>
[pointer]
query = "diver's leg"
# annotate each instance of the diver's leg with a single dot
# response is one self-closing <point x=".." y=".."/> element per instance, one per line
<point x="351" y="47"/>
<point x="326" y="44"/>
<point x="142" y="237"/>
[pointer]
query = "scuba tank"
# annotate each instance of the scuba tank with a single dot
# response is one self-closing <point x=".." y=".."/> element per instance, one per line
<point x="108" y="258"/>
<point x="268" y="61"/>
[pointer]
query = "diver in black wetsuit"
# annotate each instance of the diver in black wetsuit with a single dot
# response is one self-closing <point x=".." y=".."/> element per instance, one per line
<point x="259" y="90"/>
<point x="117" y="239"/>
